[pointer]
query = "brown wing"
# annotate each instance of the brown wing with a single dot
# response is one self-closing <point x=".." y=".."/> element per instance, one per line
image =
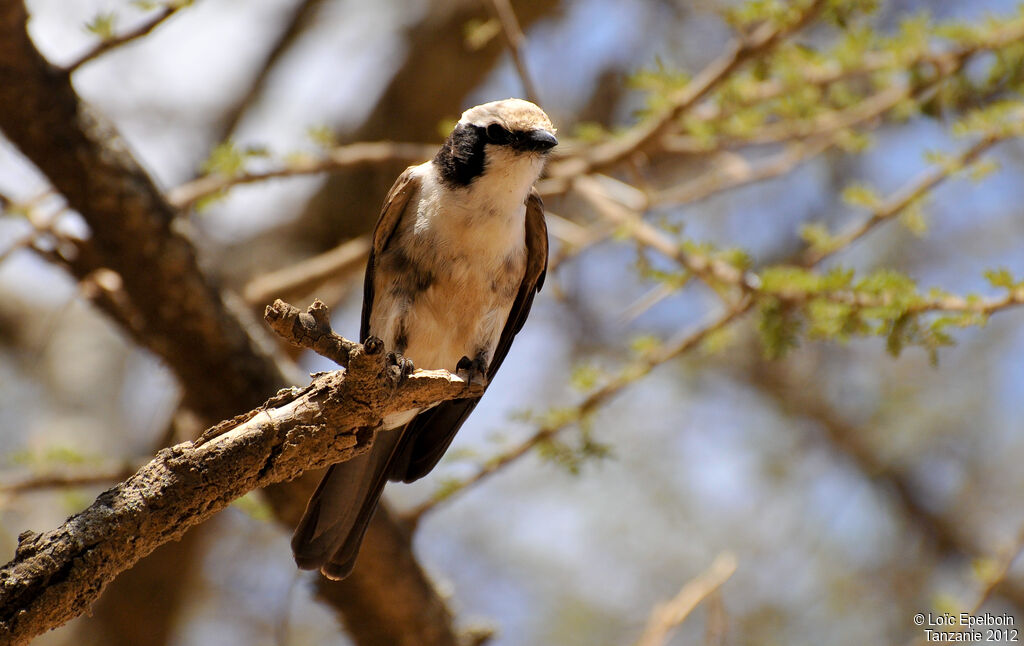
<point x="533" y="279"/>
<point x="427" y="437"/>
<point x="394" y="205"/>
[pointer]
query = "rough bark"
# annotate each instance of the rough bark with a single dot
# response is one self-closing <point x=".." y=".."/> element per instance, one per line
<point x="56" y="575"/>
<point x="141" y="605"/>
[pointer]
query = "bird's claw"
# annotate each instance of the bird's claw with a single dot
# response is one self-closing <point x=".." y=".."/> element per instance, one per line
<point x="399" y="366"/>
<point x="372" y="345"/>
<point x="474" y="373"/>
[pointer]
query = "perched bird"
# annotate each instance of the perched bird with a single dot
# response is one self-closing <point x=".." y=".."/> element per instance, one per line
<point x="458" y="253"/>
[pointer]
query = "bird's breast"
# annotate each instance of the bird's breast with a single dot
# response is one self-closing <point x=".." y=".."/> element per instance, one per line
<point x="447" y="281"/>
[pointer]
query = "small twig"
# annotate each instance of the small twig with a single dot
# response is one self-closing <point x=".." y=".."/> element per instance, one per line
<point x="668" y="616"/>
<point x="514" y="38"/>
<point x="742" y="173"/>
<point x="310" y="329"/>
<point x="899" y="201"/>
<point x="339" y="158"/>
<point x="708" y="269"/>
<point x="113" y="43"/>
<point x="42" y="225"/>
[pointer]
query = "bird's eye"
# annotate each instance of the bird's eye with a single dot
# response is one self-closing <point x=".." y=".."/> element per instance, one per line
<point x="497" y="134"/>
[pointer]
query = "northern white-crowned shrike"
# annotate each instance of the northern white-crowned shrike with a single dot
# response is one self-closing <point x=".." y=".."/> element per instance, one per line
<point x="458" y="253"/>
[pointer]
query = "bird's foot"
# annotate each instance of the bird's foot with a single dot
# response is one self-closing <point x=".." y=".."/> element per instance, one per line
<point x="373" y="345"/>
<point x="399" y="366"/>
<point x="474" y="373"/>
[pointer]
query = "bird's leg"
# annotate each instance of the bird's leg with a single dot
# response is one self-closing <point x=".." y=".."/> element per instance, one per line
<point x="472" y="371"/>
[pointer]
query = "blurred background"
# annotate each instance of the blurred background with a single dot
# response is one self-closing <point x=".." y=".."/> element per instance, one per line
<point x="853" y="487"/>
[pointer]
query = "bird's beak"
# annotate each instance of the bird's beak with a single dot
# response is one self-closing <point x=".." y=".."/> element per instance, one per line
<point x="537" y="140"/>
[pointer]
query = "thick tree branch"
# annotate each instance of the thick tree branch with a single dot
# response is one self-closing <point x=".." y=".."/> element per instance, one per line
<point x="183" y="317"/>
<point x="55" y="576"/>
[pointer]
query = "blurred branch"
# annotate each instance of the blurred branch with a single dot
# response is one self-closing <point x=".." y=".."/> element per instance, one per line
<point x="342" y="157"/>
<point x="598" y="192"/>
<point x="55" y="576"/>
<point x="705" y="267"/>
<point x="734" y="172"/>
<point x="305" y="276"/>
<point x="901" y="199"/>
<point x="302" y="17"/>
<point x="670" y="350"/>
<point x="877" y="61"/>
<point x="141" y="31"/>
<point x="797" y="399"/>
<point x="737" y="171"/>
<point x="97" y="284"/>
<point x="646" y="135"/>
<point x="66" y="480"/>
<point x="998" y="568"/>
<point x="669" y="615"/>
<point x="514" y="39"/>
<point x="655" y="135"/>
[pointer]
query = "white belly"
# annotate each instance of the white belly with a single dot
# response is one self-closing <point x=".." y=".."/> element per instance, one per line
<point x="469" y="257"/>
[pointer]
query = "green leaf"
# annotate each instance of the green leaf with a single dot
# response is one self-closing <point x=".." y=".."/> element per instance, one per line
<point x="779" y="328"/>
<point x="789" y="279"/>
<point x="644" y="345"/>
<point x="254" y="506"/>
<point x="982" y="169"/>
<point x="478" y="33"/>
<point x="585" y="377"/>
<point x="818" y="237"/>
<point x="861" y="195"/>
<point x="914" y="219"/>
<point x="322" y="135"/>
<point x="829" y="320"/>
<point x="103" y="25"/>
<point x="225" y="159"/>
<point x="445" y="488"/>
<point x="1001" y="278"/>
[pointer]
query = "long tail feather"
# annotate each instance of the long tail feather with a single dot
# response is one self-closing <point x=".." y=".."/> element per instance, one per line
<point x="331" y="530"/>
